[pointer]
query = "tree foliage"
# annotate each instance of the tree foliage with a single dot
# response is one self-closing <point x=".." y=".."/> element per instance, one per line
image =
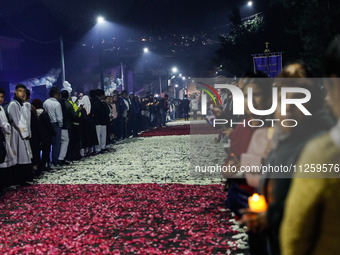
<point x="235" y="52"/>
<point x="301" y="29"/>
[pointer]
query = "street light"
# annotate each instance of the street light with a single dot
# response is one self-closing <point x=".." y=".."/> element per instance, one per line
<point x="100" y="19"/>
<point x="250" y="4"/>
<point x="174" y="70"/>
<point x="146" y="50"/>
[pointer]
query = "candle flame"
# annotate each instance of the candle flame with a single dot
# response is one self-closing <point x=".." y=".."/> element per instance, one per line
<point x="256" y="197"/>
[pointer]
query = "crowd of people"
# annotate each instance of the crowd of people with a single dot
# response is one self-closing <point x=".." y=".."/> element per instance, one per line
<point x="301" y="216"/>
<point x="39" y="136"/>
<point x="302" y="205"/>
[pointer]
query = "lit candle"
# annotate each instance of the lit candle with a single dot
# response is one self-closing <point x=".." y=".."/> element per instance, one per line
<point x="257" y="203"/>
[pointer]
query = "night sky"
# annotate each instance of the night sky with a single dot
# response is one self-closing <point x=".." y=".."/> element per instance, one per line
<point x="46" y="19"/>
<point x="40" y="23"/>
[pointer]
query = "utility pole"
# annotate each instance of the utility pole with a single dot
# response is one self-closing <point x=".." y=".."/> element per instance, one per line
<point x="62" y="59"/>
<point x="160" y="86"/>
<point x="122" y="74"/>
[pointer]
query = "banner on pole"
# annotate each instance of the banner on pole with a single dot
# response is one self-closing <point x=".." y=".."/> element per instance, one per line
<point x="269" y="63"/>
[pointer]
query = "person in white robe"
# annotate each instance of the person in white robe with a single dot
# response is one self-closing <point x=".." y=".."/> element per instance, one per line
<point x="20" y="130"/>
<point x="5" y="127"/>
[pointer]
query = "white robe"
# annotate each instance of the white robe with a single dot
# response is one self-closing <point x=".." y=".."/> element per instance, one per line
<point x="11" y="158"/>
<point x="86" y="103"/>
<point x="20" y="129"/>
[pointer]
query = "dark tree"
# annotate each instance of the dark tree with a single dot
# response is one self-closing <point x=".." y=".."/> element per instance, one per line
<point x="301" y="29"/>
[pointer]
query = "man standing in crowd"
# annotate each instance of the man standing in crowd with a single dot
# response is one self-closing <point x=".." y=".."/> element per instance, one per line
<point x="98" y="113"/>
<point x="20" y="133"/>
<point x="124" y="95"/>
<point x="121" y="108"/>
<point x="163" y="108"/>
<point x="53" y="109"/>
<point x="46" y="132"/>
<point x="35" y="128"/>
<point x="185" y="105"/>
<point x="74" y="147"/>
<point x="132" y="115"/>
<point x="68" y="116"/>
<point x="194" y="106"/>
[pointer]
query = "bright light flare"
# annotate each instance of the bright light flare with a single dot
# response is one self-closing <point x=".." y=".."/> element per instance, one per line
<point x="100" y="19"/>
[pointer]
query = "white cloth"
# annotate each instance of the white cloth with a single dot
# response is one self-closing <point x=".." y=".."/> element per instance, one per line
<point x="27" y="116"/>
<point x="86" y="104"/>
<point x="194" y="104"/>
<point x="65" y="140"/>
<point x="101" y="135"/>
<point x="10" y="159"/>
<point x="27" y="112"/>
<point x="39" y="112"/>
<point x="53" y="109"/>
<point x="20" y="146"/>
<point x="335" y="134"/>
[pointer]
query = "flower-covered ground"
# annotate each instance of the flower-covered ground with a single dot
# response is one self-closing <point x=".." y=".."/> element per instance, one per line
<point x="185" y="122"/>
<point x="171" y="130"/>
<point x="118" y="219"/>
<point x="139" y="198"/>
<point x="180" y="130"/>
<point x="158" y="159"/>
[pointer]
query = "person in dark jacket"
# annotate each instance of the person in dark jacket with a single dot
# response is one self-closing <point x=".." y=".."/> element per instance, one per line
<point x="120" y="107"/>
<point x="46" y="132"/>
<point x="117" y="120"/>
<point x="186" y="107"/>
<point x="88" y="134"/>
<point x="163" y="108"/>
<point x="100" y="113"/>
<point x="132" y="115"/>
<point x="35" y="135"/>
<point x="154" y="112"/>
<point x="126" y="107"/>
<point x="69" y="116"/>
<point x="145" y="113"/>
<point x="74" y="145"/>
